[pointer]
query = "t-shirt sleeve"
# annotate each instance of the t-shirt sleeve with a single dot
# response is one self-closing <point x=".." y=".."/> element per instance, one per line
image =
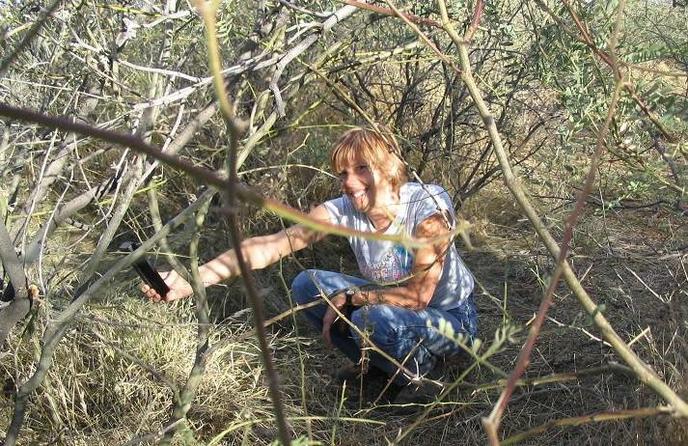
<point x="337" y="208"/>
<point x="433" y="199"/>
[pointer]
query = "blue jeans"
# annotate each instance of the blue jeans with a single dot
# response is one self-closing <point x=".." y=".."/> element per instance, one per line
<point x="406" y="335"/>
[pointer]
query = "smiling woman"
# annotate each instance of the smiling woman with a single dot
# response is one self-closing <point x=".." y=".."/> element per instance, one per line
<point x="370" y="172"/>
<point x="402" y="294"/>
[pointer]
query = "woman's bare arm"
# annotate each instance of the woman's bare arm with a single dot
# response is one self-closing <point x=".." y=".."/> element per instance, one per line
<point x="262" y="251"/>
<point x="258" y="252"/>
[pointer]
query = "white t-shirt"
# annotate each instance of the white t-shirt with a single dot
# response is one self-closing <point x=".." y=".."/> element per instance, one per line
<point x="386" y="262"/>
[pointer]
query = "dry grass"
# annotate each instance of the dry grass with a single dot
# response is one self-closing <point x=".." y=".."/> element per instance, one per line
<point x="101" y="390"/>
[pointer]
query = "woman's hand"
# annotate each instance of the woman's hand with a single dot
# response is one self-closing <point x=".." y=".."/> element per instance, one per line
<point x="331" y="316"/>
<point x="179" y="288"/>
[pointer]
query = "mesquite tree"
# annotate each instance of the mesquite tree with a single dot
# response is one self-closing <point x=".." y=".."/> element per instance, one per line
<point x="103" y="104"/>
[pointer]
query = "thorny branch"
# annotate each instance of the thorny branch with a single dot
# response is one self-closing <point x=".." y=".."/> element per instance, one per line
<point x="493" y="421"/>
<point x="236" y="127"/>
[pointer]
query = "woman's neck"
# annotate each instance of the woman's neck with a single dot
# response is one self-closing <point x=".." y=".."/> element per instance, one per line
<point x="382" y="216"/>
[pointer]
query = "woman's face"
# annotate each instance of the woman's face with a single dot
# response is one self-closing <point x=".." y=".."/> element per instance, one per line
<point x="366" y="186"/>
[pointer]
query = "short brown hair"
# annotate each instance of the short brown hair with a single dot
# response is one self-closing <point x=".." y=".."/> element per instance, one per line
<point x="378" y="147"/>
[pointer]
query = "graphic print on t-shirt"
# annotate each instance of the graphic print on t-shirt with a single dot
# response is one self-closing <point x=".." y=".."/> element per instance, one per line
<point x="390" y="266"/>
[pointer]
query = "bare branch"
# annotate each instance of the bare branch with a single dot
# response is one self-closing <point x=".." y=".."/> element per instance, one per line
<point x="391" y="12"/>
<point x="19" y="307"/>
<point x="56" y="329"/>
<point x="35" y="29"/>
<point x="594" y="418"/>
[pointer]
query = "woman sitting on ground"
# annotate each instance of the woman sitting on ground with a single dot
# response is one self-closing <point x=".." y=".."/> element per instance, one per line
<point x="402" y="294"/>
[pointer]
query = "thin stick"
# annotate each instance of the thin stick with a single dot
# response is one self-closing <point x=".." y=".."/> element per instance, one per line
<point x="380" y="10"/>
<point x="7" y="61"/>
<point x="585" y="419"/>
<point x="235" y="128"/>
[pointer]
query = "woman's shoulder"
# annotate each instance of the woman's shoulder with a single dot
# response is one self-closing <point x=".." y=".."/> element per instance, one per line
<point x="422" y="191"/>
<point x="338" y="206"/>
<point x="424" y="200"/>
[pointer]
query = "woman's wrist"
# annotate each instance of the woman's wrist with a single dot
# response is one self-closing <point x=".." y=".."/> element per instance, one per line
<point x="366" y="297"/>
<point x="209" y="276"/>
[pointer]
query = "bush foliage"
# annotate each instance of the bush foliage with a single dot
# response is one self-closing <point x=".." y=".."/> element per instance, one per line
<point x="89" y="362"/>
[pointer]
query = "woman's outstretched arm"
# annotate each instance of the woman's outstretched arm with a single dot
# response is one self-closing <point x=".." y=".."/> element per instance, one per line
<point x="258" y="252"/>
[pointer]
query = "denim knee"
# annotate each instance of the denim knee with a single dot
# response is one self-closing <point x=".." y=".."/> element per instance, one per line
<point x="303" y="289"/>
<point x="376" y="321"/>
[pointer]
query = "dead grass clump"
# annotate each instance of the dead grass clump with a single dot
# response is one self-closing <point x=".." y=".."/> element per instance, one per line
<point x="109" y="379"/>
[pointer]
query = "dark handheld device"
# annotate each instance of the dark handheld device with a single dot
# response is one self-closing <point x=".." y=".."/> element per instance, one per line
<point x="146" y="271"/>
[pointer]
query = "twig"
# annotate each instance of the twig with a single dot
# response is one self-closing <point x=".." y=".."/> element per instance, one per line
<point x="157" y="225"/>
<point x="247" y="423"/>
<point x="185" y="135"/>
<point x="557" y="377"/>
<point x="134" y="180"/>
<point x="256" y="63"/>
<point x="57" y="165"/>
<point x="64" y="212"/>
<point x="10" y="260"/>
<point x="482" y="359"/>
<point x="391" y="12"/>
<point x="7" y="61"/>
<point x="298" y="49"/>
<point x="156" y="374"/>
<point x="169" y="73"/>
<point x="153" y="436"/>
<point x="288" y="4"/>
<point x="424" y="38"/>
<point x="235" y="127"/>
<point x="475" y="21"/>
<point x="585" y="419"/>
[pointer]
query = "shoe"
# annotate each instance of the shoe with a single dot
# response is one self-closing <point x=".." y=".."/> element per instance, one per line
<point x="370" y="394"/>
<point x="364" y="389"/>
<point x="354" y="372"/>
<point x="384" y="394"/>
